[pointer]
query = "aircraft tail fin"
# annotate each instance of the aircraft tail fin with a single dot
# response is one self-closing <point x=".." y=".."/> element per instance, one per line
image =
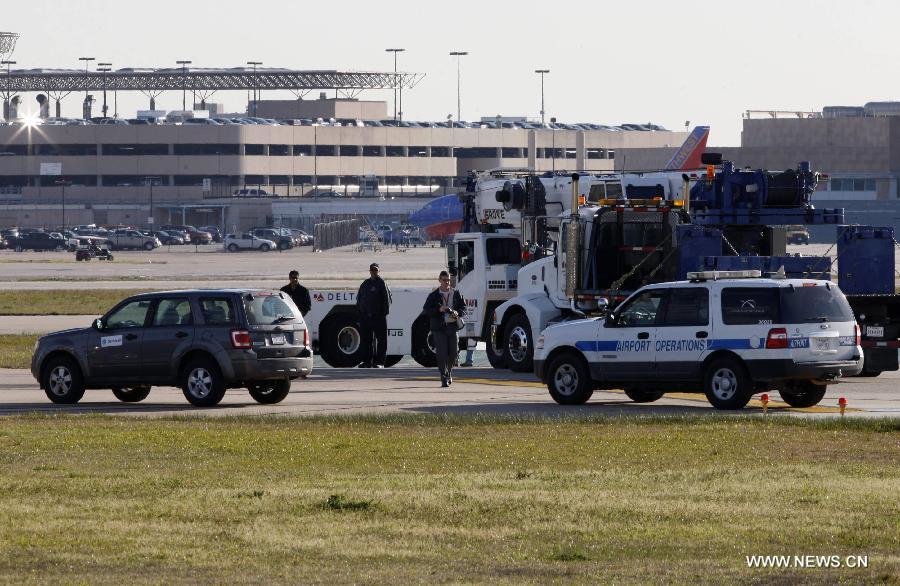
<point x="688" y="156"/>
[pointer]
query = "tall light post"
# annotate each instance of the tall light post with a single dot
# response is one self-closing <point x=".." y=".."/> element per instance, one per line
<point x="63" y="183"/>
<point x="7" y="93"/>
<point x="105" y="68"/>
<point x="395" y="51"/>
<point x="184" y="63"/>
<point x="553" y="152"/>
<point x="150" y="181"/>
<point x="87" y="61"/>
<point x="255" y="86"/>
<point x="458" y="55"/>
<point x="542" y="72"/>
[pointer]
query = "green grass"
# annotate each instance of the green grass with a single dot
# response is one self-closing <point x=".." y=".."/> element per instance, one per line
<point x="444" y="499"/>
<point x="62" y="301"/>
<point x="15" y="350"/>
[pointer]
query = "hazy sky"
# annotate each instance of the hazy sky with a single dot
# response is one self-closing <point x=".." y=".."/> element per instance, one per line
<point x="650" y="61"/>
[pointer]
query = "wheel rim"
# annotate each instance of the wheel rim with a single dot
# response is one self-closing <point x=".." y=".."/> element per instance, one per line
<point x="264" y="388"/>
<point x="348" y="340"/>
<point x="60" y="381"/>
<point x="724" y="384"/>
<point x="200" y="382"/>
<point x="518" y="344"/>
<point x="565" y="379"/>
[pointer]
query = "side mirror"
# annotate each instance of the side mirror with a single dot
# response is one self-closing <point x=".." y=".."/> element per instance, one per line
<point x="612" y="319"/>
<point x="98" y="324"/>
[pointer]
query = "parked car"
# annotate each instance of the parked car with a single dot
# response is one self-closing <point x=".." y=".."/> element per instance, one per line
<point x="283" y="241"/>
<point x="205" y="341"/>
<point x="168" y="238"/>
<point x="246" y="192"/>
<point x="127" y="238"/>
<point x="247" y="241"/>
<point x="213" y="231"/>
<point x="797" y="234"/>
<point x="304" y="238"/>
<point x="36" y="241"/>
<point x="197" y="236"/>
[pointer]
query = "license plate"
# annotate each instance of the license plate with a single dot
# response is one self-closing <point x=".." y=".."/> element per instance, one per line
<point x="875" y="331"/>
<point x="823" y="343"/>
<point x="278" y="338"/>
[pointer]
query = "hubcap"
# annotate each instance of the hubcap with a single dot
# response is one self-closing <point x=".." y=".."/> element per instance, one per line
<point x="348" y="340"/>
<point x="60" y="381"/>
<point x="566" y="379"/>
<point x="518" y="344"/>
<point x="724" y="384"/>
<point x="200" y="382"/>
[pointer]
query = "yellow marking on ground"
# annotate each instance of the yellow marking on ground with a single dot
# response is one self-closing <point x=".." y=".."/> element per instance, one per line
<point x="699" y="397"/>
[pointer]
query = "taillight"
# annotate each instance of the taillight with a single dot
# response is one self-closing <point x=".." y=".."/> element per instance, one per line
<point x="777" y="338"/>
<point x="240" y="339"/>
<point x="306" y="338"/>
<point x="858" y="335"/>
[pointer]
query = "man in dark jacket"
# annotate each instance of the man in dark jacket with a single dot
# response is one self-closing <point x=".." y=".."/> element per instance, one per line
<point x="444" y="306"/>
<point x="298" y="293"/>
<point x="373" y="301"/>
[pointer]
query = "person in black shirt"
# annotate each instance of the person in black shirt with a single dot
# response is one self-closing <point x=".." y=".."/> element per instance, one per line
<point x="299" y="294"/>
<point x="373" y="301"/>
<point x="444" y="306"/>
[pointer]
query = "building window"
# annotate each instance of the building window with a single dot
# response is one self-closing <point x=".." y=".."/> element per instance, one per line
<point x="393" y="151"/>
<point x="571" y="153"/>
<point x="349" y="150"/>
<point x="477" y="153"/>
<point x="278" y="180"/>
<point x="439" y="151"/>
<point x="279" y="150"/>
<point x="852" y="184"/>
<point x="595" y="154"/>
<point x="371" y="151"/>
<point x="418" y="151"/>
<point x="300" y="179"/>
<point x="10" y="150"/>
<point x="82" y="180"/>
<point x="510" y="153"/>
<point x="303" y="150"/>
<point x="328" y="180"/>
<point x="326" y="150"/>
<point x="254" y="149"/>
<point x="206" y="149"/>
<point x="65" y="150"/>
<point x="128" y="150"/>
<point x="251" y="180"/>
<point x="395" y="180"/>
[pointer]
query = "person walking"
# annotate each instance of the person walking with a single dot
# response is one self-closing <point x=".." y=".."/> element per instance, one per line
<point x="444" y="307"/>
<point x="373" y="301"/>
<point x="299" y="294"/>
<point x="470" y="342"/>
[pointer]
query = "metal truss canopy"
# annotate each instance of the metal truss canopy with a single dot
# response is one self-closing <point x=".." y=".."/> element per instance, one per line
<point x="204" y="79"/>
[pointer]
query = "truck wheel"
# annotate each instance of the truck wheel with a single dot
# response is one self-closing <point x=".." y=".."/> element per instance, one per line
<point x="568" y="380"/>
<point x="803" y="393"/>
<point x="423" y="350"/>
<point x="264" y="248"/>
<point x="149" y="246"/>
<point x="495" y="356"/>
<point x="202" y="383"/>
<point x="131" y="394"/>
<point x="62" y="380"/>
<point x="643" y="396"/>
<point x="232" y="247"/>
<point x="270" y="392"/>
<point x="518" y="350"/>
<point x="340" y="343"/>
<point x="392" y="360"/>
<point x="726" y="384"/>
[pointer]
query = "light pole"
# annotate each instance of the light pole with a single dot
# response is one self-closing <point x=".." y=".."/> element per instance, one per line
<point x="553" y="152"/>
<point x="458" y="54"/>
<point x="150" y="181"/>
<point x="255" y="86"/>
<point x="395" y="51"/>
<point x="105" y="68"/>
<point x="63" y="183"/>
<point x="7" y="96"/>
<point x="183" y="64"/>
<point x="542" y="72"/>
<point x="87" y="61"/>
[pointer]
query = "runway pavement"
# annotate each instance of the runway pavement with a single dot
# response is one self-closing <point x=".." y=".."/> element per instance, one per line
<point x="416" y="390"/>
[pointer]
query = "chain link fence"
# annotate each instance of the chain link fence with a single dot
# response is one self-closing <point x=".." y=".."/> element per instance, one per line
<point x="334" y="234"/>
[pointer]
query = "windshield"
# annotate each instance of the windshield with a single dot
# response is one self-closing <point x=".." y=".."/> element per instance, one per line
<point x="808" y="305"/>
<point x="265" y="309"/>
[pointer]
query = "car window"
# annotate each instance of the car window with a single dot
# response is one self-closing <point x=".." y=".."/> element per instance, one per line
<point x="131" y="315"/>
<point x="217" y="311"/>
<point x="642" y="310"/>
<point x="812" y="305"/>
<point x="743" y="306"/>
<point x="687" y="307"/>
<point x="267" y="308"/>
<point x="173" y="312"/>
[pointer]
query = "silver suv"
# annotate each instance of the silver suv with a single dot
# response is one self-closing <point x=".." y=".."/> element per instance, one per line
<point x="205" y="341"/>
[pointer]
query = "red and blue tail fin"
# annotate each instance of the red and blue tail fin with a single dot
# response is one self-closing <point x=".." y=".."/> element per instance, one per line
<point x="688" y="156"/>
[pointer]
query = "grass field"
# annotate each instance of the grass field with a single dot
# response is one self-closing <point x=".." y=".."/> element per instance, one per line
<point x="444" y="499"/>
<point x="15" y="350"/>
<point x="62" y="301"/>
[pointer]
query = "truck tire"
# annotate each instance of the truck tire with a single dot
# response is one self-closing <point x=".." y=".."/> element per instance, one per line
<point x="131" y="394"/>
<point x="569" y="380"/>
<point x="423" y="350"/>
<point x="643" y="395"/>
<point x="803" y="393"/>
<point x="232" y="247"/>
<point x="62" y="380"/>
<point x="518" y="346"/>
<point x="494" y="356"/>
<point x="340" y="342"/>
<point x="202" y="383"/>
<point x="392" y="360"/>
<point x="727" y="384"/>
<point x="270" y="392"/>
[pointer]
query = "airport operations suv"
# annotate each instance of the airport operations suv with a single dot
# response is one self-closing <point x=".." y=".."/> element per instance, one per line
<point x="205" y="341"/>
<point x="729" y="334"/>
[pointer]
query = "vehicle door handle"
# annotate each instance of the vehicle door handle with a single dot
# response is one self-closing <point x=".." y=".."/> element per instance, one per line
<point x="643" y="335"/>
<point x="181" y="335"/>
<point x="701" y="334"/>
<point x="131" y="336"/>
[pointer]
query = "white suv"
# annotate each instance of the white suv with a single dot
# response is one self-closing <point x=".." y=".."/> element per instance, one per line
<point x="727" y="334"/>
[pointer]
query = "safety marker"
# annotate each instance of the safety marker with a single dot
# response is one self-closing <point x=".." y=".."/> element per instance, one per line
<point x="842" y="403"/>
<point x="765" y="403"/>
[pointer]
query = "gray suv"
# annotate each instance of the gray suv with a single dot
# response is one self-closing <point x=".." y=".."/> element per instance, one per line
<point x="204" y="341"/>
